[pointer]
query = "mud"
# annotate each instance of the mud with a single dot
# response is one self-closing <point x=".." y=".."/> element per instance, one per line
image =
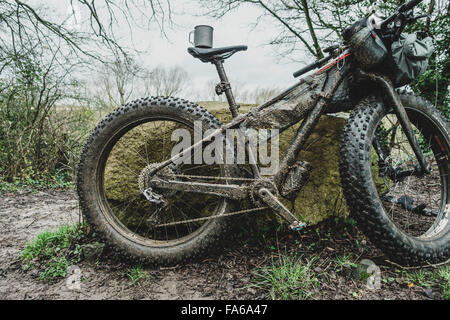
<point x="24" y="215"/>
<point x="290" y="109"/>
<point x="224" y="274"/>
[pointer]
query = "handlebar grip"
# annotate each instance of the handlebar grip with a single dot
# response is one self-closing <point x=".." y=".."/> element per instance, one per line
<point x="306" y="69"/>
<point x="411" y="4"/>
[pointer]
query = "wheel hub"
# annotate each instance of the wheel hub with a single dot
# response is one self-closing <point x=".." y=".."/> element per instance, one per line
<point x="145" y="178"/>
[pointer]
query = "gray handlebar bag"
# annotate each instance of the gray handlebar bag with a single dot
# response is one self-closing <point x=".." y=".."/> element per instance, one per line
<point x="411" y="56"/>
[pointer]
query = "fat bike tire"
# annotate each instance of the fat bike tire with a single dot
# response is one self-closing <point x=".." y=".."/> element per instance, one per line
<point x="365" y="202"/>
<point x="124" y="242"/>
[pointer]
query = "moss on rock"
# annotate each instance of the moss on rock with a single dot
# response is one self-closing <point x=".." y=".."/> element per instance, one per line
<point x="133" y="151"/>
<point x="322" y="195"/>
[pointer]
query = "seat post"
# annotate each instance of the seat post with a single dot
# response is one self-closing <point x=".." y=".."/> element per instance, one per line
<point x="224" y="86"/>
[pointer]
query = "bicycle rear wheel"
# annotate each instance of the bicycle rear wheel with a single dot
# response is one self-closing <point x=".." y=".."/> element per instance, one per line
<point x="112" y="175"/>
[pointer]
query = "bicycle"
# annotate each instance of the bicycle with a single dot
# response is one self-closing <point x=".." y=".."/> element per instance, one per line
<point x="167" y="211"/>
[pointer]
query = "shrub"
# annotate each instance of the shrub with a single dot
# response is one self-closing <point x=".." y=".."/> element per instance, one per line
<point x="39" y="141"/>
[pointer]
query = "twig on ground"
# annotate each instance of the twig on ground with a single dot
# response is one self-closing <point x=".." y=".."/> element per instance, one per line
<point x="429" y="265"/>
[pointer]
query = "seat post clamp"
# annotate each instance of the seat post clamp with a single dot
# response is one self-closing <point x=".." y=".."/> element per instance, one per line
<point x="222" y="87"/>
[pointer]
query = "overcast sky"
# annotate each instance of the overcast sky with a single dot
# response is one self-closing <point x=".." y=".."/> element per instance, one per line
<point x="256" y="67"/>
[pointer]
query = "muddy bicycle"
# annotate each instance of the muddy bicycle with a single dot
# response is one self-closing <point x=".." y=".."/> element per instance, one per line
<point x="147" y="204"/>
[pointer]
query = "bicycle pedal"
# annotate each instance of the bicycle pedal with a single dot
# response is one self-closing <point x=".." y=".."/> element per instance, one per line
<point x="297" y="226"/>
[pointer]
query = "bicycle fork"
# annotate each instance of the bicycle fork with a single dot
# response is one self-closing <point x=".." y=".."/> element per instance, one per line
<point x="399" y="109"/>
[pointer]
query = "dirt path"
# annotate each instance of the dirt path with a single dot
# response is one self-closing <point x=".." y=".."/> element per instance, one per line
<point x="23" y="216"/>
<point x="225" y="275"/>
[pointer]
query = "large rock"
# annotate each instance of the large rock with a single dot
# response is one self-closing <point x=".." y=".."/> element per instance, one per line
<point x="320" y="198"/>
<point x="322" y="195"/>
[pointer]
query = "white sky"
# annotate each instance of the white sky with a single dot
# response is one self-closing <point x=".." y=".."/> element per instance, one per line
<point x="256" y="67"/>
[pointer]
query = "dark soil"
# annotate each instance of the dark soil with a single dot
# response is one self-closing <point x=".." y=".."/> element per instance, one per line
<point x="225" y="274"/>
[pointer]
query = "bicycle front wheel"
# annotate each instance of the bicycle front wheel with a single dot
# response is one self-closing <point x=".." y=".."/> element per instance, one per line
<point x="402" y="212"/>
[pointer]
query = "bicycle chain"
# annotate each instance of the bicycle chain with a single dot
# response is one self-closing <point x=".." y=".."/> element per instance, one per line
<point x="214" y="178"/>
<point x="212" y="217"/>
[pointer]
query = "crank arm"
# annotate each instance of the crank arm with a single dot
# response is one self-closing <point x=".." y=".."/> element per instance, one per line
<point x="275" y="204"/>
<point x="230" y="191"/>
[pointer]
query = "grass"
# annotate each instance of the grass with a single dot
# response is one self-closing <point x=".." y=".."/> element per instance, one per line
<point x="444" y="274"/>
<point x="287" y="278"/>
<point x="420" y="277"/>
<point x="58" y="180"/>
<point x="439" y="277"/>
<point x="52" y="252"/>
<point x="137" y="274"/>
<point x="345" y="260"/>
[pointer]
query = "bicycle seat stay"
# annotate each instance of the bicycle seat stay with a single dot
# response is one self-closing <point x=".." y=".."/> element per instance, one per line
<point x="209" y="54"/>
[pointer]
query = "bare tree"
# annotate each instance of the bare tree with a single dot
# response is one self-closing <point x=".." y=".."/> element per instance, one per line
<point x="303" y="24"/>
<point x="41" y="52"/>
<point x="30" y="88"/>
<point x="118" y="81"/>
<point x="294" y="17"/>
<point x="310" y="25"/>
<point x="167" y="81"/>
<point x="21" y="23"/>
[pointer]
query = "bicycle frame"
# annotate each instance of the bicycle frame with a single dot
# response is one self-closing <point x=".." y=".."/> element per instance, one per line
<point x="335" y="77"/>
<point x="336" y="73"/>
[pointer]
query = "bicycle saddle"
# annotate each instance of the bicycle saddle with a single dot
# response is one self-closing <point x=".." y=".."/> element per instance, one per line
<point x="208" y="54"/>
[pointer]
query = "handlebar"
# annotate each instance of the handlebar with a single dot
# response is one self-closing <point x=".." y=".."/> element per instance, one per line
<point x="403" y="8"/>
<point x="311" y="66"/>
<point x="306" y="69"/>
<point x="409" y="5"/>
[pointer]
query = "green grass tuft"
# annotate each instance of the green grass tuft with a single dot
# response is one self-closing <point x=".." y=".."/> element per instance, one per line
<point x="344" y="260"/>
<point x="288" y="278"/>
<point x="52" y="252"/>
<point x="137" y="274"/>
<point x="444" y="274"/>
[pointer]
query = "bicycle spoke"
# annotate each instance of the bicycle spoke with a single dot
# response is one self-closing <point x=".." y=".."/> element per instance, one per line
<point x="126" y="200"/>
<point x="407" y="199"/>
